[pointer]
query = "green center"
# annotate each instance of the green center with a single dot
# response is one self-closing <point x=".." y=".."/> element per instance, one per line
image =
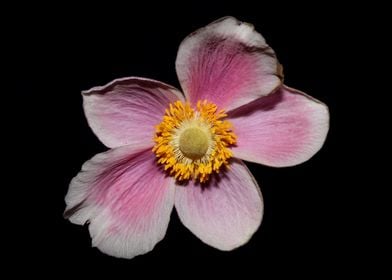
<point x="194" y="143"/>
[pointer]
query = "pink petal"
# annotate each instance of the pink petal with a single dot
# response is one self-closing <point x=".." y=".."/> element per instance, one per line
<point x="125" y="111"/>
<point x="126" y="200"/>
<point x="228" y="63"/>
<point x="225" y="213"/>
<point x="283" y="129"/>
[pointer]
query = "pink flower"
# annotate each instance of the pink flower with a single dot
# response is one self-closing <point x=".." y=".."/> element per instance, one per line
<point x="168" y="149"/>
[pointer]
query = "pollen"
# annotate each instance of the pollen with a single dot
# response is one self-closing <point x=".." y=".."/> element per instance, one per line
<point x="193" y="143"/>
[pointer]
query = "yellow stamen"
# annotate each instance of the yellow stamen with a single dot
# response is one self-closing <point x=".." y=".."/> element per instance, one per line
<point x="193" y="143"/>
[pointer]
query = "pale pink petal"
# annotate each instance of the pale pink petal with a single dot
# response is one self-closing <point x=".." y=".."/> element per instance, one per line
<point x="283" y="129"/>
<point x="225" y="213"/>
<point x="228" y="63"/>
<point x="125" y="111"/>
<point x="126" y="200"/>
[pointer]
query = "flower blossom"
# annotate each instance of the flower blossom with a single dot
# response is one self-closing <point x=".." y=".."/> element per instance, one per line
<point x="185" y="150"/>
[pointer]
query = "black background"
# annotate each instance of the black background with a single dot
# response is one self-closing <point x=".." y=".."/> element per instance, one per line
<point x="60" y="51"/>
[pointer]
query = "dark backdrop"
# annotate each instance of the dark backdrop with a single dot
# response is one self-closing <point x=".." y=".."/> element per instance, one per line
<point x="60" y="51"/>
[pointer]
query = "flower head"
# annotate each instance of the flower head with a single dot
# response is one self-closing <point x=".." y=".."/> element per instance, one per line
<point x="169" y="148"/>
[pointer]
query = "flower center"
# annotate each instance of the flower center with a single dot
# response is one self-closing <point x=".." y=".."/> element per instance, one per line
<point x="193" y="143"/>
